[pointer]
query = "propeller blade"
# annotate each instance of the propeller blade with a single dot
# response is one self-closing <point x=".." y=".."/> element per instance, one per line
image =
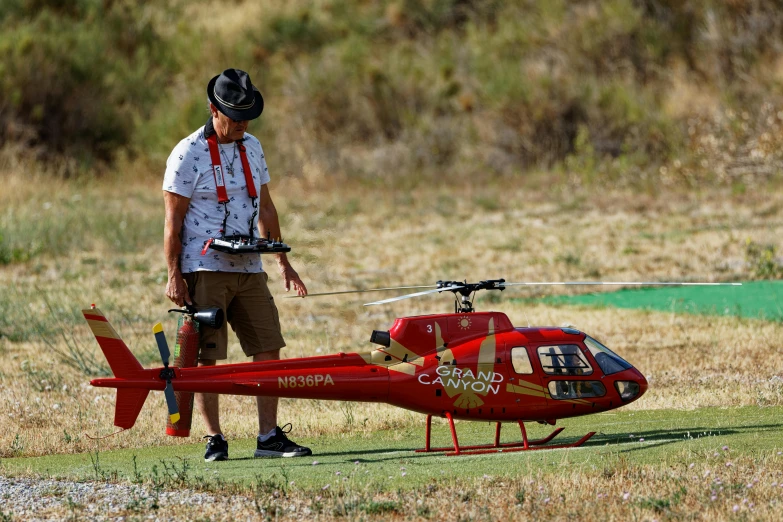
<point x="171" y="402"/>
<point x="617" y="283"/>
<point x="359" y="291"/>
<point x="417" y="294"/>
<point x="163" y="346"/>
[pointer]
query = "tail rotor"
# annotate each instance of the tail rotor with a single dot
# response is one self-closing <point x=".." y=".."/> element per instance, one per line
<point x="166" y="373"/>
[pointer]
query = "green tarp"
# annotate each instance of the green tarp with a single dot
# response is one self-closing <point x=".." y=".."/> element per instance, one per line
<point x="756" y="299"/>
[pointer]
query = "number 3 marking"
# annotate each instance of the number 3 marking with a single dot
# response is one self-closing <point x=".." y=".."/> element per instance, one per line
<point x="429" y="328"/>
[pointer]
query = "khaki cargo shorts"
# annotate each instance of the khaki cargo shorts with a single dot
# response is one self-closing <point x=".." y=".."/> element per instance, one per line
<point x="249" y="307"/>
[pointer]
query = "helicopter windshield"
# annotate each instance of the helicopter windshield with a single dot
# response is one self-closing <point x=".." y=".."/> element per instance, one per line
<point x="609" y="361"/>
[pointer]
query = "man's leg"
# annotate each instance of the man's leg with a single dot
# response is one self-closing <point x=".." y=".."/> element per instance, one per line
<point x="272" y="440"/>
<point x="253" y="316"/>
<point x="210" y="289"/>
<point x="267" y="406"/>
<point x="207" y="405"/>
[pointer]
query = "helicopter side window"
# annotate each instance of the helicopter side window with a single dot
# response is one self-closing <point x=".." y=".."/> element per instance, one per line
<point x="521" y="361"/>
<point x="609" y="361"/>
<point x="565" y="359"/>
<point x="576" y="389"/>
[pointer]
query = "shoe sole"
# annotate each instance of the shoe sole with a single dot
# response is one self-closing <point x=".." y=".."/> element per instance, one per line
<point x="269" y="453"/>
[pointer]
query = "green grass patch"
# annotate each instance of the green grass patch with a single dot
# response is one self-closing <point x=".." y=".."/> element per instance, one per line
<point x="754" y="300"/>
<point x="85" y="221"/>
<point x="385" y="460"/>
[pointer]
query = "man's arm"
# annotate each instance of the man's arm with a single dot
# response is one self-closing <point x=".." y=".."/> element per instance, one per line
<point x="269" y="226"/>
<point x="176" y="208"/>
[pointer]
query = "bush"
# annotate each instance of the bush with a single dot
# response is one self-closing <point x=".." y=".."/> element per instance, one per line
<point x="75" y="75"/>
<point x="403" y="88"/>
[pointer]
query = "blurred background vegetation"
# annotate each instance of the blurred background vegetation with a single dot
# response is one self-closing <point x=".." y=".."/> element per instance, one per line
<point x="610" y="92"/>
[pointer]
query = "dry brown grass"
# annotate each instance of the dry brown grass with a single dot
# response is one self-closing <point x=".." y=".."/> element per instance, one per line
<point x="352" y="237"/>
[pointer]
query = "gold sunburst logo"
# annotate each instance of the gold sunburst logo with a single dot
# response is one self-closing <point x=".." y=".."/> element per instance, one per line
<point x="464" y="322"/>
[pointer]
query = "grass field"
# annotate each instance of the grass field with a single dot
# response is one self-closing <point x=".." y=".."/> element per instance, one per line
<point x="643" y="465"/>
<point x="88" y="242"/>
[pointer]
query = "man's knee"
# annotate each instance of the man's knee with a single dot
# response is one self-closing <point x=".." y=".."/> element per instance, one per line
<point x="271" y="355"/>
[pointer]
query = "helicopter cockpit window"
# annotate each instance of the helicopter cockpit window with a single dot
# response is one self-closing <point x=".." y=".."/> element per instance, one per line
<point x="576" y="389"/>
<point x="521" y="361"/>
<point x="609" y="361"/>
<point x="565" y="359"/>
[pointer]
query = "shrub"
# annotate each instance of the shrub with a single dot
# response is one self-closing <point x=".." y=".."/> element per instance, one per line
<point x="75" y="75"/>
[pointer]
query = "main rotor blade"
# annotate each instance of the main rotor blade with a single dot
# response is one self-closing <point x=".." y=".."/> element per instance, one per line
<point x="171" y="402"/>
<point x="360" y="291"/>
<point x="163" y="346"/>
<point x="417" y="294"/>
<point x="618" y="283"/>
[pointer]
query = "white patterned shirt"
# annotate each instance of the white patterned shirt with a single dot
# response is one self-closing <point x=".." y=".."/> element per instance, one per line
<point x="189" y="174"/>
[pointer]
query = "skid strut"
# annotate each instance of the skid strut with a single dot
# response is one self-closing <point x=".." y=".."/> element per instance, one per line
<point x="497" y="446"/>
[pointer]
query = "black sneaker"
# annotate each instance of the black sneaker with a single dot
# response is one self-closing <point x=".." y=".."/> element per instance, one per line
<point x="278" y="445"/>
<point x="217" y="448"/>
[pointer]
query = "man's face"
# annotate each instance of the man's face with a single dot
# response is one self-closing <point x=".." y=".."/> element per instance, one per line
<point x="226" y="128"/>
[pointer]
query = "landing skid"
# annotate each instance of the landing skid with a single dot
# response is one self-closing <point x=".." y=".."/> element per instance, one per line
<point x="497" y="447"/>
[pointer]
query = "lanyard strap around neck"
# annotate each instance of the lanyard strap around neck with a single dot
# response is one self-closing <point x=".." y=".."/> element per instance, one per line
<point x="217" y="170"/>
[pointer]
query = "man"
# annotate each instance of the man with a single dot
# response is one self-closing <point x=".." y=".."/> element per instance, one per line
<point x="215" y="185"/>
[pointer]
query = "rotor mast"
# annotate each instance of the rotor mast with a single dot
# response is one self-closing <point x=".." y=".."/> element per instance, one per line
<point x="463" y="292"/>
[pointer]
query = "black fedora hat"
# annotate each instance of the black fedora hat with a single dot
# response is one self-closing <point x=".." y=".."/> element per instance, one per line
<point x="234" y="95"/>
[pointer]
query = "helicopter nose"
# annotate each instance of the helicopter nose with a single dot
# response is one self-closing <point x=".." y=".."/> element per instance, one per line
<point x="642" y="382"/>
<point x="632" y="387"/>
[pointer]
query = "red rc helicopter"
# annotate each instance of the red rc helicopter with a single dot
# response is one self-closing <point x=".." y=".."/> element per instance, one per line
<point x="465" y="365"/>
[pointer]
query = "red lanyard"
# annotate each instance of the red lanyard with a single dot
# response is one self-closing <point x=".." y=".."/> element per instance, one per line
<point x="217" y="170"/>
<point x="220" y="185"/>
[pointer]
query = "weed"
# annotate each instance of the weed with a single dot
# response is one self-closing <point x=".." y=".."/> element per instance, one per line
<point x="657" y="504"/>
<point x="73" y="508"/>
<point x="96" y="464"/>
<point x="466" y="496"/>
<point x="762" y="260"/>
<point x="269" y="487"/>
<point x="136" y="503"/>
<point x="348" y="415"/>
<point x="11" y="254"/>
<point x="424" y="511"/>
<point x="17" y="446"/>
<point x="380" y="507"/>
<point x="173" y="475"/>
<point x="75" y="355"/>
<point x="6" y="517"/>
<point x="137" y="476"/>
<point x="40" y="380"/>
<point x="68" y="438"/>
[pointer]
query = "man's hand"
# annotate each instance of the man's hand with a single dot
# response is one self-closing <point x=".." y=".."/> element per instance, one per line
<point x="290" y="277"/>
<point x="177" y="291"/>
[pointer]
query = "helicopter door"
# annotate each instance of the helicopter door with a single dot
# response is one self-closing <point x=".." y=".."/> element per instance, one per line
<point x="530" y="397"/>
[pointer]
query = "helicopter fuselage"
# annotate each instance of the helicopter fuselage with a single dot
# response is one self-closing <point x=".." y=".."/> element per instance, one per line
<point x="474" y="366"/>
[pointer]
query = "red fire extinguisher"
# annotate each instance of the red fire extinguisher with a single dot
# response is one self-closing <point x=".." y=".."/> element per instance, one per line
<point x="185" y="356"/>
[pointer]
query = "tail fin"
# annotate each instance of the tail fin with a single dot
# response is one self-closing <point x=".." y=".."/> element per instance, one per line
<point x="128" y="405"/>
<point x="121" y="360"/>
<point x="123" y="364"/>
